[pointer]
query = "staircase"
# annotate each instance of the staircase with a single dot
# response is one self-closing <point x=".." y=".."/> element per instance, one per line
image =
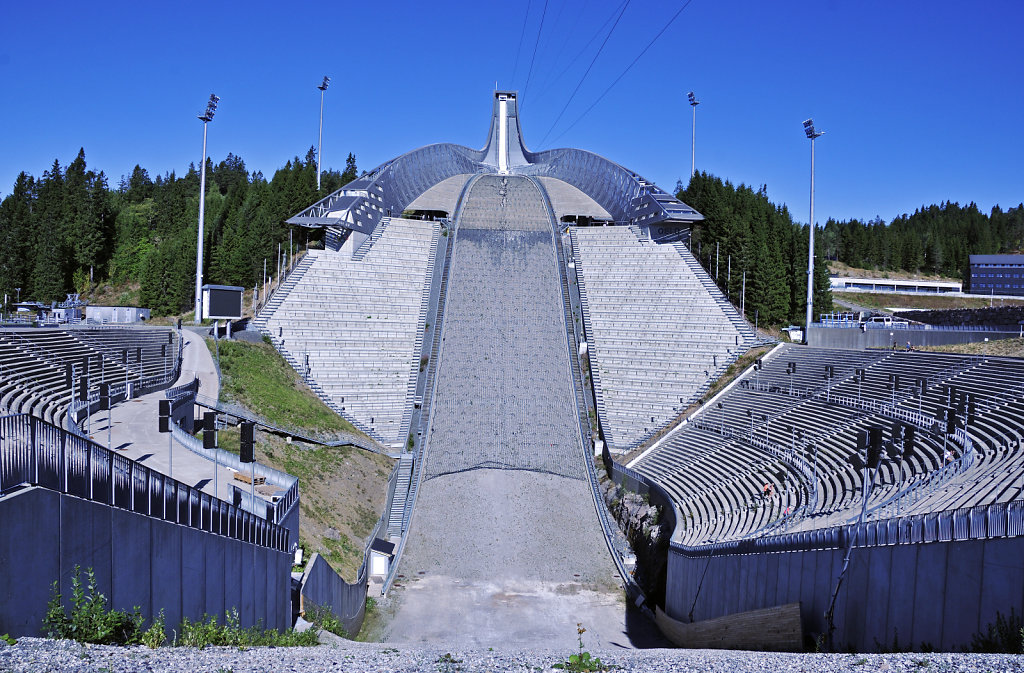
<point x="734" y="316"/>
<point x="282" y="291"/>
<point x="435" y="346"/>
<point x="378" y="231"/>
<point x="403" y="480"/>
<point x="422" y="320"/>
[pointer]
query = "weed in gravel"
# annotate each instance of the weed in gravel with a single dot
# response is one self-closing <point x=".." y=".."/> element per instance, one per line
<point x="446" y="663"/>
<point x="581" y="662"/>
<point x="207" y="631"/>
<point x="7" y="639"/>
<point x="324" y="619"/>
<point x="860" y="662"/>
<point x="156" y="634"/>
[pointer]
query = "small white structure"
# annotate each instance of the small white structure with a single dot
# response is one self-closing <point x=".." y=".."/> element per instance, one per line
<point x="893" y="286"/>
<point x="115" y="314"/>
<point x="381" y="554"/>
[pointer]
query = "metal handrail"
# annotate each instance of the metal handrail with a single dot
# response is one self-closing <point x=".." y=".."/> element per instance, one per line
<point x="37" y="453"/>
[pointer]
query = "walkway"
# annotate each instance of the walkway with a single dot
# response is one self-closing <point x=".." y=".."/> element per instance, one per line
<point x="134" y="431"/>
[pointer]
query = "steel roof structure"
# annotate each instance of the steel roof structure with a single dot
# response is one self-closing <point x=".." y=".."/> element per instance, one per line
<point x="390" y="187"/>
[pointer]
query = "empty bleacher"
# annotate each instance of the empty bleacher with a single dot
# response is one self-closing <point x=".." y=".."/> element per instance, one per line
<point x="658" y="332"/>
<point x="354" y="325"/>
<point x="715" y="465"/>
<point x="33" y="365"/>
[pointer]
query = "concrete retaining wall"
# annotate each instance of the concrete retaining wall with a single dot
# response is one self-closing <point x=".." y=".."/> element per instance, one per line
<point x="326" y="589"/>
<point x="835" y="337"/>
<point x="138" y="561"/>
<point x="936" y="594"/>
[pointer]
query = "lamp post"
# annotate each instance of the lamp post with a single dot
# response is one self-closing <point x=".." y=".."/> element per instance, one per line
<point x="320" y="142"/>
<point x="812" y="134"/>
<point x="693" y="141"/>
<point x="206" y="118"/>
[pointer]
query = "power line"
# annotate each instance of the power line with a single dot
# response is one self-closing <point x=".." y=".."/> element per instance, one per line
<point x="628" y="68"/>
<point x="587" y="72"/>
<point x="522" y="33"/>
<point x="540" y="29"/>
<point x="582" y="50"/>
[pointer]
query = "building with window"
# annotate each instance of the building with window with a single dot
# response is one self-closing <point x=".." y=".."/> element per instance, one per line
<point x="996" y="274"/>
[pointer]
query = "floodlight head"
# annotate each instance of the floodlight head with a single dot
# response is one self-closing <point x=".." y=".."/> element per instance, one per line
<point x="326" y="82"/>
<point x="693" y="99"/>
<point x="810" y="131"/>
<point x="211" y="109"/>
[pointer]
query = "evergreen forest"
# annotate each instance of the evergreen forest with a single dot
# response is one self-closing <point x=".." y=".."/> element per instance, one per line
<point x="752" y="234"/>
<point x="71" y="231"/>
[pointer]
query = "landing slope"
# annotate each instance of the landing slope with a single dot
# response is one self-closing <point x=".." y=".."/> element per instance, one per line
<point x="505" y="546"/>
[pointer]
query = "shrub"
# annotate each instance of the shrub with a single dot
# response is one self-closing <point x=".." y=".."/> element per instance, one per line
<point x="90" y="620"/>
<point x="207" y="631"/>
<point x="1006" y="635"/>
<point x="325" y="620"/>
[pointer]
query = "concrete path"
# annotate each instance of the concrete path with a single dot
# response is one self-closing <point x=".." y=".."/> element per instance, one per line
<point x="134" y="433"/>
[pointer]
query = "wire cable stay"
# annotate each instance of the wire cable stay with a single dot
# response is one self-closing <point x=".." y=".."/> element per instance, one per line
<point x="522" y="33"/>
<point x="587" y="72"/>
<point x="540" y="29"/>
<point x="628" y="68"/>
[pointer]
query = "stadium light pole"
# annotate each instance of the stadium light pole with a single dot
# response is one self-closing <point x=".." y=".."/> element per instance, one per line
<point x="693" y="141"/>
<point x="206" y="118"/>
<point x="812" y="134"/>
<point x="320" y="142"/>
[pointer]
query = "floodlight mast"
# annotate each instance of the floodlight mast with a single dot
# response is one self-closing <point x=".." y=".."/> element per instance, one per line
<point x="320" y="142"/>
<point x="206" y="118"/>
<point x="693" y="142"/>
<point x="812" y="134"/>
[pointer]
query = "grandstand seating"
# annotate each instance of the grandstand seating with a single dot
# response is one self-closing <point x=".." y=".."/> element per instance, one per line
<point x="658" y="331"/>
<point x="355" y="324"/>
<point x="504" y="393"/>
<point x="33" y="374"/>
<point x="715" y="465"/>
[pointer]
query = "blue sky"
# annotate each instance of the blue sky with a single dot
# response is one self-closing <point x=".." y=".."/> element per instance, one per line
<point x="920" y="101"/>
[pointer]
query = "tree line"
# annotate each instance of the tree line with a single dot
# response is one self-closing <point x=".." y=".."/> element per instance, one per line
<point x="755" y="251"/>
<point x="70" y="231"/>
<point x="936" y="239"/>
<point x="762" y="239"/>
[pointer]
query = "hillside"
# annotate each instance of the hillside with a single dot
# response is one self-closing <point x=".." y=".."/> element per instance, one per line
<point x="342" y="489"/>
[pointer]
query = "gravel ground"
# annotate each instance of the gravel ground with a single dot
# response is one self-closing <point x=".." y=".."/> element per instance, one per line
<point x="505" y="557"/>
<point x="33" y="655"/>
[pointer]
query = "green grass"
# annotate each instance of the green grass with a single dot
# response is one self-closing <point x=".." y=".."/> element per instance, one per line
<point x="902" y="301"/>
<point x="257" y="377"/>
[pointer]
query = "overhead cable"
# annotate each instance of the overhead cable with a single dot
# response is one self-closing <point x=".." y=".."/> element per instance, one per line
<point x="628" y="68"/>
<point x="540" y="29"/>
<point x="587" y="72"/>
<point x="522" y="33"/>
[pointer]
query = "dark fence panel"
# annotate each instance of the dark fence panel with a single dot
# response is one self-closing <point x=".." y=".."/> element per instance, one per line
<point x="36" y="453"/>
<point x="324" y="588"/>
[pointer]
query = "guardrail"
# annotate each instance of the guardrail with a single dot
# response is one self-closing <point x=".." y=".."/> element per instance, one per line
<point x="36" y="453"/>
<point x="968" y="523"/>
<point x="275" y="511"/>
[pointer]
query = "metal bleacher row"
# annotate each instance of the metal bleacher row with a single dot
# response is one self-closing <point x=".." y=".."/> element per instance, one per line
<point x="658" y="330"/>
<point x="354" y="324"/>
<point x="716" y="465"/>
<point x="33" y="365"/>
